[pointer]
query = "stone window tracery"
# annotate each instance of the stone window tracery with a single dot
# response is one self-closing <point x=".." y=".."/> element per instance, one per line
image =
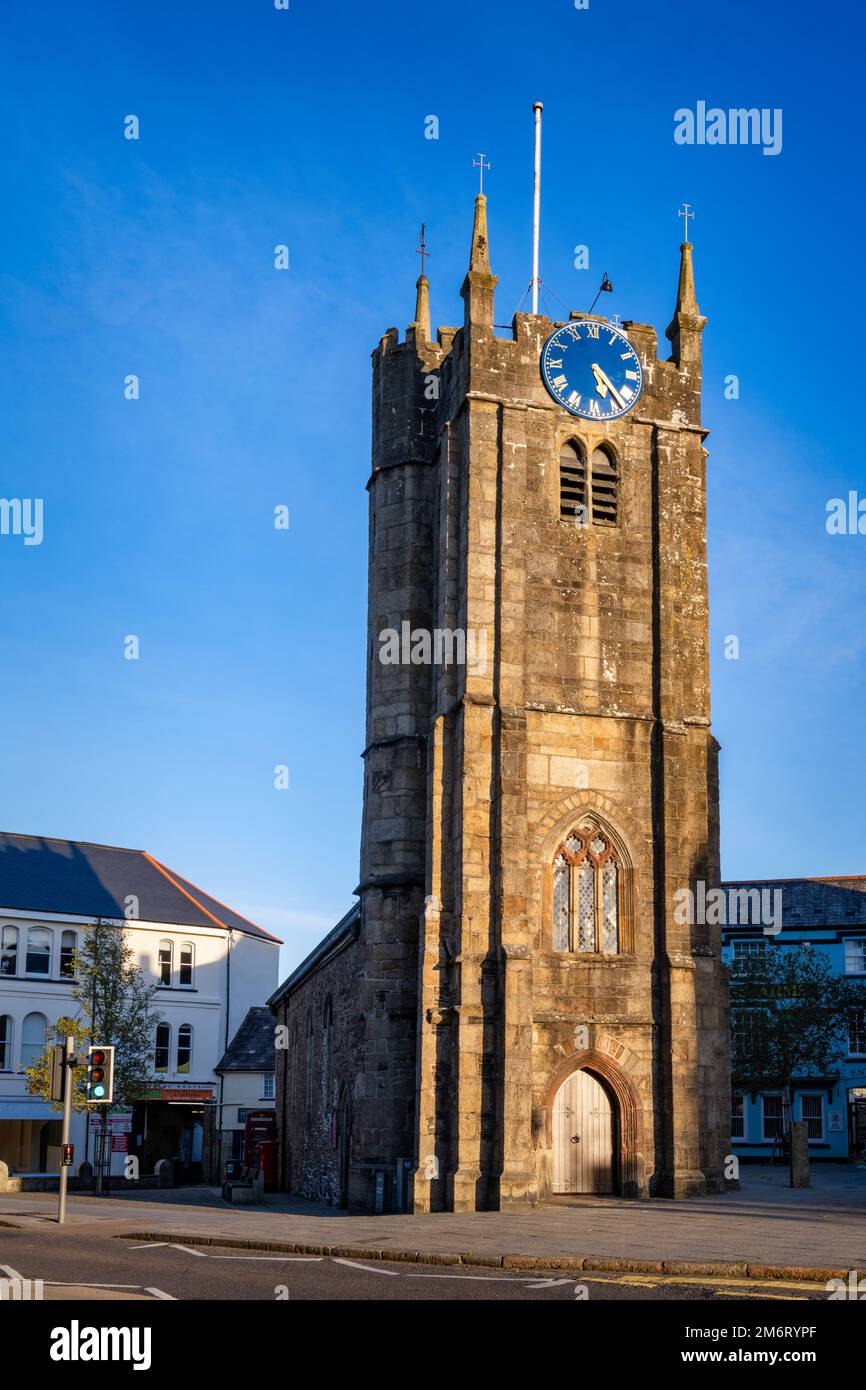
<point x="586" y="893"/>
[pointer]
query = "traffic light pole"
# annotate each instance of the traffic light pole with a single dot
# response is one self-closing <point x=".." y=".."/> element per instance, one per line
<point x="67" y="1111"/>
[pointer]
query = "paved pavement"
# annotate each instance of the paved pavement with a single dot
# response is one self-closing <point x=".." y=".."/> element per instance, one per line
<point x="766" y="1223"/>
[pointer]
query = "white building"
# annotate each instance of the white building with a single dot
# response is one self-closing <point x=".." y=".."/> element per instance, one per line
<point x="210" y="965"/>
<point x="247" y="1072"/>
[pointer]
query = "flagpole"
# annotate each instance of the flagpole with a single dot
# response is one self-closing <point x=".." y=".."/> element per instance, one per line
<point x="536" y="204"/>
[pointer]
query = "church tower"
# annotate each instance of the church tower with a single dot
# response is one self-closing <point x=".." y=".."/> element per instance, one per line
<point x="540" y="775"/>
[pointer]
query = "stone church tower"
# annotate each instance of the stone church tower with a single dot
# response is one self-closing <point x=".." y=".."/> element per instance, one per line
<point x="528" y="1016"/>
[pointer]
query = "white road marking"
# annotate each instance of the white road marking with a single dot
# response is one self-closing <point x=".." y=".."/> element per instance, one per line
<point x="498" y="1279"/>
<point x="370" y="1269"/>
<point x="86" y="1284"/>
<point x="10" y="1272"/>
<point x="159" y="1293"/>
<point x="206" y="1254"/>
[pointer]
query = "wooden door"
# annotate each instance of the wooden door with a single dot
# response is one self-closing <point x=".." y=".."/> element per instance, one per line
<point x="583" y="1135"/>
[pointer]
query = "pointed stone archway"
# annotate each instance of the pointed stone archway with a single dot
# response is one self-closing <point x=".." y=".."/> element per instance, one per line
<point x="631" y="1180"/>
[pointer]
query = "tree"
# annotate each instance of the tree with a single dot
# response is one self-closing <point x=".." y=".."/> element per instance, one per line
<point x="789" y="1018"/>
<point x="115" y="1006"/>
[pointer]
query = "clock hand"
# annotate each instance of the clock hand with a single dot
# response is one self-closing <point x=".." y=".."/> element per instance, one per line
<point x="603" y="384"/>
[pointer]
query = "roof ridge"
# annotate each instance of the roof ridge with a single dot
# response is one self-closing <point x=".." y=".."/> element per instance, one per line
<point x="170" y="873"/>
<point x="801" y="878"/>
<point x="62" y="840"/>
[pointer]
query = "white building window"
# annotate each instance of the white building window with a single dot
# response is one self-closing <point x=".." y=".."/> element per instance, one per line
<point x="9" y="951"/>
<point x="34" y="1035"/>
<point x="187" y="959"/>
<point x="772" y="1116"/>
<point x="5" y="1043"/>
<point x="857" y="1032"/>
<point x="38" y="951"/>
<point x="855" y="955"/>
<point x="166" y="962"/>
<point x="267" y="1085"/>
<point x="812" y="1111"/>
<point x="162" y="1049"/>
<point x="68" y="947"/>
<point x="184" y="1049"/>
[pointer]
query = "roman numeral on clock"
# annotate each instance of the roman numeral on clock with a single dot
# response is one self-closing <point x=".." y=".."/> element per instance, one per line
<point x="595" y="410"/>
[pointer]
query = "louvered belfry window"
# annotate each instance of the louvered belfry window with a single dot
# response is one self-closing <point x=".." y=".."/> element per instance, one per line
<point x="604" y="481"/>
<point x="572" y="485"/>
<point x="586" y="892"/>
<point x="587" y="495"/>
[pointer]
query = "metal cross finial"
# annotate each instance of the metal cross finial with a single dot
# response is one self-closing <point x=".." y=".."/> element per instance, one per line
<point x="686" y="212"/>
<point x="422" y="249"/>
<point x="480" y="166"/>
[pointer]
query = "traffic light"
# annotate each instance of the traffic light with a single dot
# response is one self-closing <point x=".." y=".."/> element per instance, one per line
<point x="99" y="1088"/>
<point x="58" y="1072"/>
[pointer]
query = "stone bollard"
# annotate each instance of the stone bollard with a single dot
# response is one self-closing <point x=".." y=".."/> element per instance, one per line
<point x="163" y="1172"/>
<point x="4" y="1175"/>
<point x="800" y="1154"/>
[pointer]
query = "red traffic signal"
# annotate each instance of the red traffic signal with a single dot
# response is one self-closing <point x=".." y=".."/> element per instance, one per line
<point x="66" y="1153"/>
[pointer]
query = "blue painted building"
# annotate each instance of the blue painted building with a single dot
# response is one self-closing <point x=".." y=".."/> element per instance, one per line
<point x="829" y="914"/>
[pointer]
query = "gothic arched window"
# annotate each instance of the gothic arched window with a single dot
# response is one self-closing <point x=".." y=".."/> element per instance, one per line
<point x="293" y="1063"/>
<point x="603" y="484"/>
<point x="586" y="893"/>
<point x="310" y="1062"/>
<point x="572" y="484"/>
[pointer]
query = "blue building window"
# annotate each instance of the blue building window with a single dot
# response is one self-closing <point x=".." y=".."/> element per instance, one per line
<point x="812" y="1110"/>
<point x="855" y="955"/>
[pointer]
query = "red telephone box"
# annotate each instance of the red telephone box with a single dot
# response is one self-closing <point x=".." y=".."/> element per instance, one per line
<point x="260" y="1144"/>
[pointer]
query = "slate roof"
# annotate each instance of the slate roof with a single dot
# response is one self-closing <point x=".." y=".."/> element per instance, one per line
<point x="252" y="1047"/>
<point x="85" y="880"/>
<point x="815" y="902"/>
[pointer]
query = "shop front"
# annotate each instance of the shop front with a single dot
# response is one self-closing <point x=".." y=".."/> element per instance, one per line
<point x="175" y="1123"/>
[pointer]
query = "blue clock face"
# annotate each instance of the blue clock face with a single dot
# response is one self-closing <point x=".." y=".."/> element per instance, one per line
<point x="591" y="370"/>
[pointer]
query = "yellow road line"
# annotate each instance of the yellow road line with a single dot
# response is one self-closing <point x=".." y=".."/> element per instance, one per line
<point x="650" y="1281"/>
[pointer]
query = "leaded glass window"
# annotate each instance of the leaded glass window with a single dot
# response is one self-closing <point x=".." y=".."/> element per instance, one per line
<point x="586" y="893"/>
<point x="561" y="914"/>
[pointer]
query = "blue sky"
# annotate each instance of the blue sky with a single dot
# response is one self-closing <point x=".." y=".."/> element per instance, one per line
<point x="155" y="257"/>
